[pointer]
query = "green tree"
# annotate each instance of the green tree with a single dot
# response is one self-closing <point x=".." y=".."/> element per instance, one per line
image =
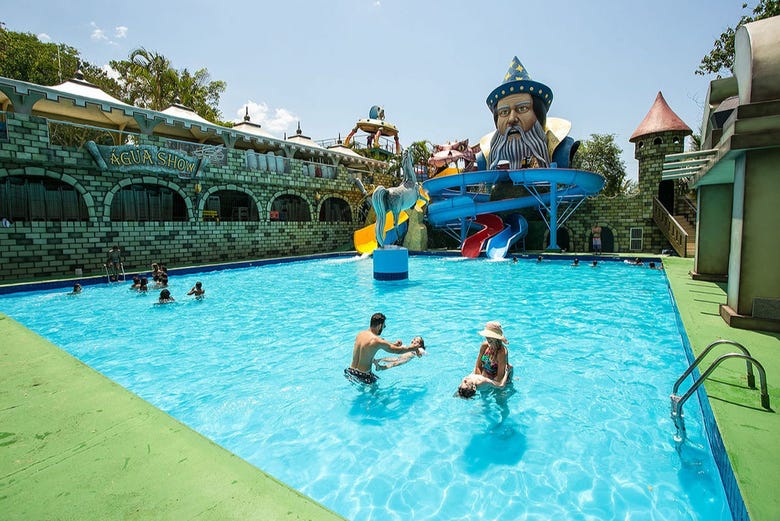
<point x="150" y="81"/>
<point x="721" y="58"/>
<point x="24" y="57"/>
<point x="199" y="93"/>
<point x="146" y="79"/>
<point x="420" y="150"/>
<point x="601" y="154"/>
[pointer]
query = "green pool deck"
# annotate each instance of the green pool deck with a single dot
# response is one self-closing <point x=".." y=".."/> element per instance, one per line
<point x="74" y="445"/>
<point x="750" y="434"/>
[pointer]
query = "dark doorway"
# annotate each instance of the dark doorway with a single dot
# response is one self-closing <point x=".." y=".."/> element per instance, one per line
<point x="666" y="195"/>
<point x="564" y="242"/>
<point x="607" y="240"/>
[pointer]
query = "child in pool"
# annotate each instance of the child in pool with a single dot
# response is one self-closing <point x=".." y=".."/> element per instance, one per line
<point x="386" y="363"/>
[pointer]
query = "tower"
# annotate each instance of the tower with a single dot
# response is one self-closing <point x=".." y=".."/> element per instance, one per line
<point x="662" y="132"/>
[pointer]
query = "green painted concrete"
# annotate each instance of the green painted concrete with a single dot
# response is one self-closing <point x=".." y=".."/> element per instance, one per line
<point x="750" y="434"/>
<point x="74" y="445"/>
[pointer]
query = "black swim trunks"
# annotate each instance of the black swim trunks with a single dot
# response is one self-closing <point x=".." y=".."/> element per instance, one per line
<point x="354" y="374"/>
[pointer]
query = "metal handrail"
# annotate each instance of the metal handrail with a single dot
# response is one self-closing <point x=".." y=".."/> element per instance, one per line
<point x="677" y="404"/>
<point x="751" y="379"/>
<point x="677" y="401"/>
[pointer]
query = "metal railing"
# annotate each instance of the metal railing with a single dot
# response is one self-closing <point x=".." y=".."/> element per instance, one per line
<point x="677" y="402"/>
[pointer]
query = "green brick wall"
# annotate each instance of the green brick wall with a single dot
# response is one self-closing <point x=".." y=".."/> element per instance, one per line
<point x="622" y="213"/>
<point x="55" y="249"/>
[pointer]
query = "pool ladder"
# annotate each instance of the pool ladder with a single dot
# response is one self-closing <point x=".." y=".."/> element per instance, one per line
<point x="118" y="275"/>
<point x="678" y="401"/>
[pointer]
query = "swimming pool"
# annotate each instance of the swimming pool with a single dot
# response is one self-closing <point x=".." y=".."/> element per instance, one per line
<point x="257" y="367"/>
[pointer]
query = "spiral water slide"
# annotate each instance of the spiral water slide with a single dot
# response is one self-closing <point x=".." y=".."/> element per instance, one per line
<point x="463" y="196"/>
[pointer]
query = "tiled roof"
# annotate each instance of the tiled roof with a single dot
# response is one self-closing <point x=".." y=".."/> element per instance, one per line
<point x="660" y="118"/>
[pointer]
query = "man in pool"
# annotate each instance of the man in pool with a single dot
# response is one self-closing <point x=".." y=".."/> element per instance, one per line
<point x="386" y="363"/>
<point x="367" y="344"/>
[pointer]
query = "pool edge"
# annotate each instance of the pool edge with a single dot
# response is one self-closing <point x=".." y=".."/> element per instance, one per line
<point x="759" y="504"/>
<point x="79" y="446"/>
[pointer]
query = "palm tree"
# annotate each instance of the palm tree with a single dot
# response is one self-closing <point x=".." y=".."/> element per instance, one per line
<point x="199" y="93"/>
<point x="154" y="82"/>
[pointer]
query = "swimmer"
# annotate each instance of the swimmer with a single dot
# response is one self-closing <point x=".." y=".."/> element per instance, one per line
<point x="197" y="290"/>
<point x="468" y="386"/>
<point x="576" y="262"/>
<point x="165" y="297"/>
<point x="386" y="363"/>
<point x="367" y="343"/>
<point x="76" y="289"/>
<point x="162" y="281"/>
<point x="136" y="283"/>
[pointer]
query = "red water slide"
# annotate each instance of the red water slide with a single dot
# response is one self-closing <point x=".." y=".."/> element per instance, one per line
<point x="492" y="224"/>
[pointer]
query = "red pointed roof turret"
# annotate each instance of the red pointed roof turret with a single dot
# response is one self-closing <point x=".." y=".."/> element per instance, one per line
<point x="660" y="118"/>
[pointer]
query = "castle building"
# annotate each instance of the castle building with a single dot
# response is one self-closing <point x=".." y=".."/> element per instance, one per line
<point x="81" y="171"/>
<point x="659" y="216"/>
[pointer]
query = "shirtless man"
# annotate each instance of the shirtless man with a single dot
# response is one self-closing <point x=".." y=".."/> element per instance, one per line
<point x="114" y="262"/>
<point x="367" y="343"/>
<point x="596" y="231"/>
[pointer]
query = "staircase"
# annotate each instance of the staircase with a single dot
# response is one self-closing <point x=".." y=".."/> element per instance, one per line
<point x="690" y="230"/>
<point x="677" y="230"/>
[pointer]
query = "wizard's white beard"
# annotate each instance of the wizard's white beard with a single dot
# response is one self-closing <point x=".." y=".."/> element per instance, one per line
<point x="515" y="149"/>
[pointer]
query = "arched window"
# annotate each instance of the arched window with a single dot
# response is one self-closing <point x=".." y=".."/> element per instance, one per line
<point x="145" y="202"/>
<point x="232" y="205"/>
<point x="34" y="198"/>
<point x="290" y="207"/>
<point x="658" y="141"/>
<point x="335" y="209"/>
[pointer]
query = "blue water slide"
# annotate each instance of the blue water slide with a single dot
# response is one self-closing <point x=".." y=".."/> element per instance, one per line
<point x="453" y="198"/>
<point x="498" y="245"/>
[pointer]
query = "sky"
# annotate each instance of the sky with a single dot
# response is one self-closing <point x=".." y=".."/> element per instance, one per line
<point x="429" y="64"/>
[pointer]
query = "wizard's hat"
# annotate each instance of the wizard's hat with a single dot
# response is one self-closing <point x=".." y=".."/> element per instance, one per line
<point x="517" y="81"/>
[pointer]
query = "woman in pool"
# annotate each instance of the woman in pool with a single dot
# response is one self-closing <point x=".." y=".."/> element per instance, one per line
<point x="492" y="367"/>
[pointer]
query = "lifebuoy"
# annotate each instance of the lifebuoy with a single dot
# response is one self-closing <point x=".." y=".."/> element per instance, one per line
<point x="6" y="223"/>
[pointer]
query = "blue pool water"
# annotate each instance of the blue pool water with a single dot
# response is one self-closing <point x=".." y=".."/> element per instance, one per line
<point x="257" y="366"/>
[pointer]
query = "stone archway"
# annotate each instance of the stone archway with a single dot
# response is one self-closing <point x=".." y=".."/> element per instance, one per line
<point x="141" y="181"/>
<point x="62" y="191"/>
<point x="607" y="240"/>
